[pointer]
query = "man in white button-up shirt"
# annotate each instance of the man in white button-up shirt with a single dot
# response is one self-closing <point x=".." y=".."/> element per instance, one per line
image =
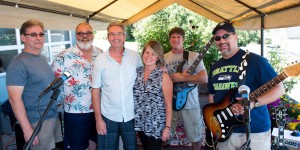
<point x="113" y="78"/>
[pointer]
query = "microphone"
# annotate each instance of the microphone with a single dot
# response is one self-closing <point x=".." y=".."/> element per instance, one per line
<point x="56" y="83"/>
<point x="244" y="91"/>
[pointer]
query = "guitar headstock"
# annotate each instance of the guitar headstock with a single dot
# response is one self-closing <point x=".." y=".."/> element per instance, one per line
<point x="293" y="70"/>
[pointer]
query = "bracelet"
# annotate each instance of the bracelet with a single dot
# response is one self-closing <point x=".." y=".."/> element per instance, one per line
<point x="168" y="127"/>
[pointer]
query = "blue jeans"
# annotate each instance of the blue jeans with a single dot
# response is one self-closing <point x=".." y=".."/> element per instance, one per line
<point x="79" y="129"/>
<point x="114" y="130"/>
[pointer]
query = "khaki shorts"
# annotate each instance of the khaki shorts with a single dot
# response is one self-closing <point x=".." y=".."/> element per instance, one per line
<point x="49" y="134"/>
<point x="192" y="123"/>
<point x="259" y="141"/>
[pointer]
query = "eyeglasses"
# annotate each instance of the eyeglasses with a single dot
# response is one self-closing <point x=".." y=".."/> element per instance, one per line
<point x="224" y="36"/>
<point x="35" y="34"/>
<point x="81" y="34"/>
<point x="116" y="34"/>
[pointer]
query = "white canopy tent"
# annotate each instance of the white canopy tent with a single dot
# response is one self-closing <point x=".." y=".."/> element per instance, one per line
<point x="65" y="14"/>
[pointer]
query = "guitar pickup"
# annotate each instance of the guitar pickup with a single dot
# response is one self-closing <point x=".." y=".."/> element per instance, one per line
<point x="219" y="118"/>
<point x="229" y="112"/>
<point x="224" y="115"/>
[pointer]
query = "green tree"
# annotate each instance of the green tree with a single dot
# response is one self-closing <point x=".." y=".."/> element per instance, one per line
<point x="198" y="31"/>
<point x="246" y="37"/>
<point x="129" y="36"/>
<point x="278" y="60"/>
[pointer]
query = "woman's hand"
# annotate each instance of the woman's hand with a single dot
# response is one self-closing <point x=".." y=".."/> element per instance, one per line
<point x="165" y="134"/>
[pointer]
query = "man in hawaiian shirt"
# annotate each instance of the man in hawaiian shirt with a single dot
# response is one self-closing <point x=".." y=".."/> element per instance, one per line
<point x="79" y="119"/>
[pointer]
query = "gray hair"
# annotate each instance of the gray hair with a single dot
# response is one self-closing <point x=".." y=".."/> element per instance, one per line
<point x="116" y="24"/>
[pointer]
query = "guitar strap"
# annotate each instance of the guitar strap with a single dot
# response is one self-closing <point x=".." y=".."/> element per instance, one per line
<point x="243" y="68"/>
<point x="186" y="55"/>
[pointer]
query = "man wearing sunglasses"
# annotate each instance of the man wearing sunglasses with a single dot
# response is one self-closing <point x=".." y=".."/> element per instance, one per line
<point x="224" y="75"/>
<point x="79" y="118"/>
<point x="27" y="75"/>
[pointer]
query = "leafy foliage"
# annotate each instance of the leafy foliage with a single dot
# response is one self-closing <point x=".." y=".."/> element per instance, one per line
<point x="246" y="37"/>
<point x="292" y="110"/>
<point x="278" y="62"/>
<point x="197" y="31"/>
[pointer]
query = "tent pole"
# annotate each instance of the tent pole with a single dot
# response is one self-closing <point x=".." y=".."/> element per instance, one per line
<point x="262" y="23"/>
<point x="262" y="38"/>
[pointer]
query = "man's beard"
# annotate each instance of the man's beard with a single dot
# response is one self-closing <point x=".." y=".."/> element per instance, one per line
<point x="85" y="46"/>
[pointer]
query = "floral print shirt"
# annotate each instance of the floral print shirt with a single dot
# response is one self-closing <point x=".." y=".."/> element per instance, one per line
<point x="75" y="91"/>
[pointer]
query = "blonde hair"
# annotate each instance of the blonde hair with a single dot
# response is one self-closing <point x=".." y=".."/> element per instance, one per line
<point x="158" y="50"/>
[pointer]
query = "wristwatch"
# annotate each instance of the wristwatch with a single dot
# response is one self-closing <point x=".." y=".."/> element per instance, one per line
<point x="256" y="103"/>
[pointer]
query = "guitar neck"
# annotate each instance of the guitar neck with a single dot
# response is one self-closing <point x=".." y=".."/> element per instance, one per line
<point x="200" y="57"/>
<point x="267" y="86"/>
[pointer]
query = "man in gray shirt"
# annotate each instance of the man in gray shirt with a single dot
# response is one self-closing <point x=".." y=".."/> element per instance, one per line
<point x="27" y="75"/>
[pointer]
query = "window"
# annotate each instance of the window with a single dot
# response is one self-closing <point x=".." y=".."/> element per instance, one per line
<point x="59" y="36"/>
<point x="45" y="51"/>
<point x="46" y="36"/>
<point x="7" y="55"/>
<point x="7" y="37"/>
<point x="67" y="46"/>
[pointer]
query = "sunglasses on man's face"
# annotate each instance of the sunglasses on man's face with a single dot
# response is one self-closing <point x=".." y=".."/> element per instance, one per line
<point x="81" y="34"/>
<point x="35" y="34"/>
<point x="224" y="36"/>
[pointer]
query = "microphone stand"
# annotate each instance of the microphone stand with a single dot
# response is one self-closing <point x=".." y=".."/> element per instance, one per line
<point x="246" y="145"/>
<point x="42" y="119"/>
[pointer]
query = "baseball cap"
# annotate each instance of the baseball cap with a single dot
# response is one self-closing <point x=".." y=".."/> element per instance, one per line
<point x="224" y="25"/>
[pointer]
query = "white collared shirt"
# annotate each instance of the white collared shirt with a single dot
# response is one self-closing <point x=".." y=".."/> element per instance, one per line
<point x="116" y="83"/>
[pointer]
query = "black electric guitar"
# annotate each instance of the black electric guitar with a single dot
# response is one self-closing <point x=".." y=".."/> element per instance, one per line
<point x="181" y="89"/>
<point x="219" y="118"/>
<point x="280" y="113"/>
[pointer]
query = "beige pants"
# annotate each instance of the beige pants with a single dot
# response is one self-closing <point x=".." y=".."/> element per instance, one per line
<point x="259" y="141"/>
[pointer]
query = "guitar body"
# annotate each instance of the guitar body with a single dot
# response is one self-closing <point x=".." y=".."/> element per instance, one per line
<point x="180" y="92"/>
<point x="219" y="119"/>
